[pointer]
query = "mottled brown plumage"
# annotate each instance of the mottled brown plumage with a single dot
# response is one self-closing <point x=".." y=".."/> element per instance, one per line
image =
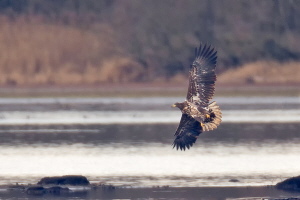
<point x="197" y="113"/>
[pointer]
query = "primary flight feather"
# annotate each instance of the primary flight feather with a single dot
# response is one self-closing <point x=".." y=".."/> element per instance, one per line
<point x="198" y="114"/>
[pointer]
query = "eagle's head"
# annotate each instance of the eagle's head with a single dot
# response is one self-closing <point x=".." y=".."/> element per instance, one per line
<point x="178" y="105"/>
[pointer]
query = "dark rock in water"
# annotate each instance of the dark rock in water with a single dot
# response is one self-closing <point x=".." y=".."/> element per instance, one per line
<point x="56" y="190"/>
<point x="289" y="198"/>
<point x="289" y="184"/>
<point x="64" y="180"/>
<point x="36" y="190"/>
<point x="234" y="180"/>
<point x="16" y="187"/>
<point x="39" y="190"/>
<point x="107" y="187"/>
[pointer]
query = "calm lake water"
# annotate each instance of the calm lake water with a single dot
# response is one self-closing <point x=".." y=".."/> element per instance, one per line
<point x="127" y="142"/>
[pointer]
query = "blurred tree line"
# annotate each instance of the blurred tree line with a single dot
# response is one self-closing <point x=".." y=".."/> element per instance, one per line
<point x="158" y="37"/>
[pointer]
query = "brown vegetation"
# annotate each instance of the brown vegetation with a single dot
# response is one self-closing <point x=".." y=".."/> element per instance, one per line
<point x="98" y="41"/>
<point x="263" y="72"/>
<point x="116" y="70"/>
<point x="34" y="53"/>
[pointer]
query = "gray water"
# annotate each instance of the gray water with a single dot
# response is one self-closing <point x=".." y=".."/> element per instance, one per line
<point x="127" y="142"/>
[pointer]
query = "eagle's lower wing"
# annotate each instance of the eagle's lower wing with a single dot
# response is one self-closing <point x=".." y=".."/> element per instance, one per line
<point x="202" y="76"/>
<point x="187" y="132"/>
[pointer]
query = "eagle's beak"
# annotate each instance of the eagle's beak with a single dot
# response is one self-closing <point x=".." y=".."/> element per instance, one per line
<point x="173" y="106"/>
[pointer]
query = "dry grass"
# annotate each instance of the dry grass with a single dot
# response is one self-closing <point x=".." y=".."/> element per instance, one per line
<point x="35" y="53"/>
<point x="263" y="72"/>
<point x="122" y="70"/>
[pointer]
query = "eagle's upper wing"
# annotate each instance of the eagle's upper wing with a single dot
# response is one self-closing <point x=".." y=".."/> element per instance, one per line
<point x="202" y="76"/>
<point x="187" y="132"/>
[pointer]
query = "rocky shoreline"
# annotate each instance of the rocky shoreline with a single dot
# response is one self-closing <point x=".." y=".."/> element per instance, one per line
<point x="79" y="187"/>
<point x="58" y="185"/>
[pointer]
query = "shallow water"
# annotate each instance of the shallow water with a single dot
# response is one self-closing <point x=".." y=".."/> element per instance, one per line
<point x="132" y="145"/>
<point x="141" y="155"/>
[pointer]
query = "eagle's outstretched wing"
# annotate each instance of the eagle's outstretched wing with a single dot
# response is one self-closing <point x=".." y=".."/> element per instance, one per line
<point x="202" y="76"/>
<point x="187" y="132"/>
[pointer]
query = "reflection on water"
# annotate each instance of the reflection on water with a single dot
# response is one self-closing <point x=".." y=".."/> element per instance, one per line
<point x="33" y="111"/>
<point x="139" y="117"/>
<point x="149" y="103"/>
<point x="141" y="155"/>
<point x="128" y="141"/>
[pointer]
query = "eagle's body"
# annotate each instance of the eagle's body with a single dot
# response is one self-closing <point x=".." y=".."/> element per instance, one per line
<point x="193" y="110"/>
<point x="197" y="113"/>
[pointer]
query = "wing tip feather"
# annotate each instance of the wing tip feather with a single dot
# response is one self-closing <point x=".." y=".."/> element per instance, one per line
<point x="184" y="142"/>
<point x="206" y="51"/>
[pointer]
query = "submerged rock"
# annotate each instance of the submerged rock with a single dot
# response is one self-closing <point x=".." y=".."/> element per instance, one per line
<point x="57" y="190"/>
<point x="64" y="180"/>
<point x="103" y="186"/>
<point x="36" y="190"/>
<point x="39" y="190"/>
<point x="233" y="180"/>
<point x="289" y="184"/>
<point x="16" y="187"/>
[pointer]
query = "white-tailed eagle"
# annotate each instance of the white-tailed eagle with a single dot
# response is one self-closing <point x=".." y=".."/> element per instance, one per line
<point x="198" y="114"/>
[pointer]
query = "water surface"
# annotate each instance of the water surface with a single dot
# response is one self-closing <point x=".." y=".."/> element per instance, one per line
<point x="141" y="155"/>
<point x="128" y="141"/>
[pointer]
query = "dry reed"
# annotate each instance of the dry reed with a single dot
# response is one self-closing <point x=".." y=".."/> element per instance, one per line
<point x="36" y="53"/>
<point x="263" y="72"/>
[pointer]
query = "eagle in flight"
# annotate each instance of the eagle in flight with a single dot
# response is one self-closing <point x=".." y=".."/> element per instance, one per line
<point x="198" y="114"/>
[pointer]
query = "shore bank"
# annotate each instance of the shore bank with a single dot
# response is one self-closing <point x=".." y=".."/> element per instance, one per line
<point x="101" y="192"/>
<point x="145" y="90"/>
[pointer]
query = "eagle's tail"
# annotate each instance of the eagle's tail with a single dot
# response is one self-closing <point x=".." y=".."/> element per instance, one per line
<point x="215" y="118"/>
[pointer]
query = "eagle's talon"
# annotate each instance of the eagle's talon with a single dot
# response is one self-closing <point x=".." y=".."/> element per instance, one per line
<point x="202" y="124"/>
<point x="207" y="116"/>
